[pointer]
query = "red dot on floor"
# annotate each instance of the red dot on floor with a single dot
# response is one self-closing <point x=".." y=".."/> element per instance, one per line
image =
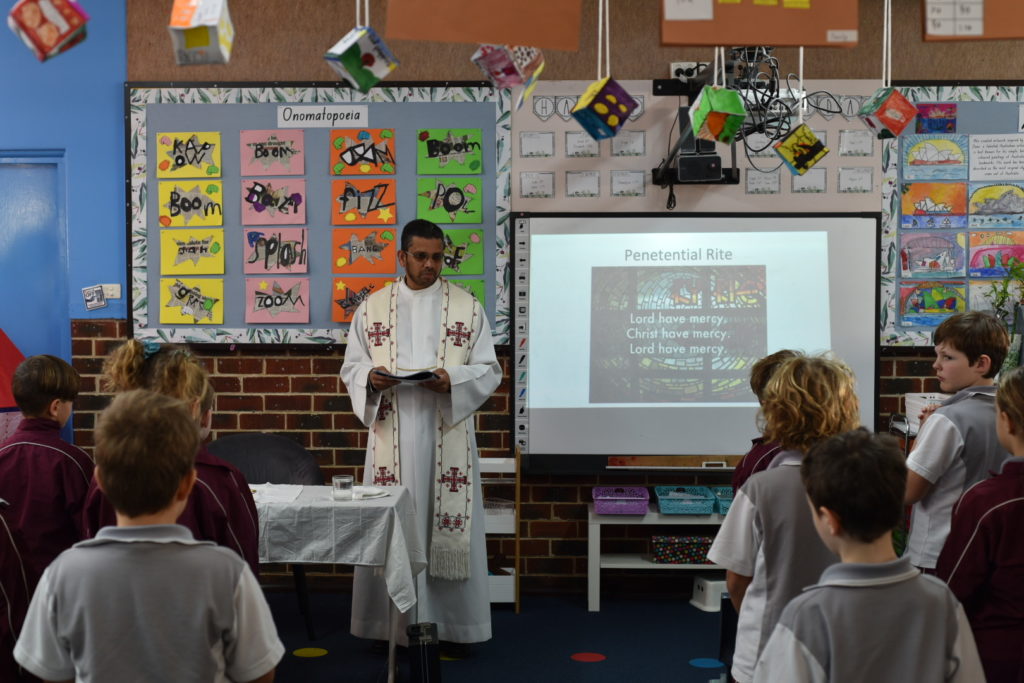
<point x="588" y="657"/>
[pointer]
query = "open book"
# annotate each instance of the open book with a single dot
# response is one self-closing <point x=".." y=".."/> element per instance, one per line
<point x="412" y="378"/>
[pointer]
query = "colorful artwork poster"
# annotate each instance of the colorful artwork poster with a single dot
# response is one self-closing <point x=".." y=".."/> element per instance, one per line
<point x="996" y="205"/>
<point x="463" y="251"/>
<point x="188" y="155"/>
<point x="277" y="201"/>
<point x="449" y="150"/>
<point x="981" y="293"/>
<point x="993" y="253"/>
<point x="348" y="292"/>
<point x="192" y="252"/>
<point x="190" y="203"/>
<point x="363" y="151"/>
<point x="934" y="157"/>
<point x="476" y="287"/>
<point x="277" y="300"/>
<point x="192" y="301"/>
<point x="934" y="205"/>
<point x="364" y="201"/>
<point x="926" y="304"/>
<point x="364" y="250"/>
<point x="449" y="200"/>
<point x="936" y="117"/>
<point x="272" y="152"/>
<point x="278" y="251"/>
<point x="933" y="255"/>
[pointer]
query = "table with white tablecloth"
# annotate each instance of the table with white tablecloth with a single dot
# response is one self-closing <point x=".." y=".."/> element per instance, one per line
<point x="313" y="528"/>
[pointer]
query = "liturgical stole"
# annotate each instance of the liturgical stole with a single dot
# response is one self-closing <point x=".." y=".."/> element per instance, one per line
<point x="450" y="531"/>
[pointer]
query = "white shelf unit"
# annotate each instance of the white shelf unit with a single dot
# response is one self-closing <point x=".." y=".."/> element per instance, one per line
<point x="503" y="587"/>
<point x="596" y="560"/>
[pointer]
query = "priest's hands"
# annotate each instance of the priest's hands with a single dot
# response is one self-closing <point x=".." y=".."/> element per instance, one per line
<point x="378" y="382"/>
<point x="443" y="383"/>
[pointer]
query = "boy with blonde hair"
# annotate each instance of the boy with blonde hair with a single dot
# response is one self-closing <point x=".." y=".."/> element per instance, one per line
<point x="144" y="600"/>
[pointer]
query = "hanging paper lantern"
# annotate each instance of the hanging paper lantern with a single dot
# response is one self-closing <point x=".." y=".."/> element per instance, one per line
<point x="48" y="27"/>
<point x="717" y="114"/>
<point x="887" y="113"/>
<point x="361" y="58"/>
<point x="800" y="149"/>
<point x="603" y="108"/>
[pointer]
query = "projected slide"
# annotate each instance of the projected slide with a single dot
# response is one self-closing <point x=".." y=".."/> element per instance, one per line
<point x="687" y="333"/>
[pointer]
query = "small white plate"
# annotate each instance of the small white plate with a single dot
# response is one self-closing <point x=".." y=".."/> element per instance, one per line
<point x="364" y="492"/>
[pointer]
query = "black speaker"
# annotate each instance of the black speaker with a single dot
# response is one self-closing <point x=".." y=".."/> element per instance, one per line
<point x="424" y="653"/>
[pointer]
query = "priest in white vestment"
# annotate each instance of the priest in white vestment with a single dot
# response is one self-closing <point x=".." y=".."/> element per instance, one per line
<point x="423" y="322"/>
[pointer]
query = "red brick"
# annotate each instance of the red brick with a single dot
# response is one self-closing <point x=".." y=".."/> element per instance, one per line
<point x="265" y="385"/>
<point x="541" y="529"/>
<point x="94" y="328"/>
<point x="347" y="421"/>
<point x="103" y="347"/>
<point x="289" y="366"/>
<point x="223" y="384"/>
<point x="332" y="403"/>
<point x="235" y="403"/>
<point x="225" y="421"/>
<point x="260" y="422"/>
<point x="86" y="384"/>
<point x="81" y="347"/>
<point x="547" y="565"/>
<point x="315" y="385"/>
<point x="240" y="366"/>
<point x="289" y="402"/>
<point x="915" y="368"/>
<point x="327" y="366"/>
<point x="886" y="368"/>
<point x="307" y="421"/>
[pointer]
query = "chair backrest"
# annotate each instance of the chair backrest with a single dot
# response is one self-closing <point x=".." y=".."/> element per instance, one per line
<point x="269" y="458"/>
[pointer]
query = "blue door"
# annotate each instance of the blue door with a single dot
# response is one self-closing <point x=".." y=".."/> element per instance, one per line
<point x="33" y="254"/>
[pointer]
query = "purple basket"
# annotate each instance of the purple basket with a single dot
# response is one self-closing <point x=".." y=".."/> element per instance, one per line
<point x="620" y="500"/>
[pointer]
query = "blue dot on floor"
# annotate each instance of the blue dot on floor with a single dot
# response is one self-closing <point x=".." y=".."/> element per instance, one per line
<point x="706" y="663"/>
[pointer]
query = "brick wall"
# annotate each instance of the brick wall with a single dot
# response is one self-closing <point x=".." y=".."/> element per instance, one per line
<point x="298" y="393"/>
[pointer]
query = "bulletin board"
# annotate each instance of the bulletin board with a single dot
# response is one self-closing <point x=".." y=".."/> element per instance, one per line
<point x="829" y="23"/>
<point x="265" y="213"/>
<point x="972" y="19"/>
<point x="952" y="206"/>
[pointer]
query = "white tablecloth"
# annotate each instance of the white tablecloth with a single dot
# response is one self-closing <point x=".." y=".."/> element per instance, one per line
<point x="378" y="532"/>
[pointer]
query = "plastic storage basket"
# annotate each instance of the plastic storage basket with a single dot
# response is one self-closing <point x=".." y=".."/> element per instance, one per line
<point x="723" y="497"/>
<point x="620" y="500"/>
<point x="685" y="500"/>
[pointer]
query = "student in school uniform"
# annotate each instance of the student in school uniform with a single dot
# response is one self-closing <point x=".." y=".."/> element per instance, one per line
<point x="16" y="587"/>
<point x="144" y="600"/>
<point x="221" y="508"/>
<point x="767" y="542"/>
<point x="761" y="452"/>
<point x="983" y="558"/>
<point x="43" y="478"/>
<point x="957" y="445"/>
<point x="872" y="617"/>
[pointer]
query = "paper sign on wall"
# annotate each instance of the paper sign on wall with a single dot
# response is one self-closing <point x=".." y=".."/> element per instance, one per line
<point x="192" y="252"/>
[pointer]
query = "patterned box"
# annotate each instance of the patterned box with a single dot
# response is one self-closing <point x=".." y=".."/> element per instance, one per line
<point x="681" y="549"/>
<point x="603" y="108"/>
<point x="361" y="58"/>
<point x="887" y="113"/>
<point x="507" y="66"/>
<point x="717" y="114"/>
<point x="201" y="31"/>
<point x="48" y="27"/>
<point x="801" y="149"/>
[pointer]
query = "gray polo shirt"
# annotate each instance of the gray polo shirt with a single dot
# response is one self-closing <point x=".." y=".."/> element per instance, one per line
<point x="768" y="534"/>
<point x="956" y="448"/>
<point x="148" y="603"/>
<point x="872" y="622"/>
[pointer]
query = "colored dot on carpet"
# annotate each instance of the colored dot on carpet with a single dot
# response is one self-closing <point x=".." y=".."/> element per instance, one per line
<point x="588" y="657"/>
<point x="310" y="652"/>
<point x="706" y="663"/>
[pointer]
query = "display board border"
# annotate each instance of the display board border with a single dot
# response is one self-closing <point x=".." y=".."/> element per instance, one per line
<point x="139" y="95"/>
